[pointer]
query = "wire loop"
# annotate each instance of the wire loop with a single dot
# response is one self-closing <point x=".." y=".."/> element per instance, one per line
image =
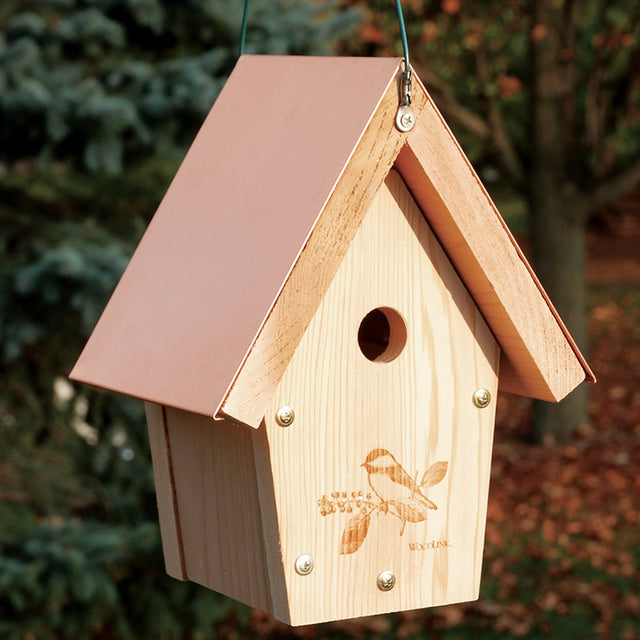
<point x="405" y="88"/>
<point x="403" y="36"/>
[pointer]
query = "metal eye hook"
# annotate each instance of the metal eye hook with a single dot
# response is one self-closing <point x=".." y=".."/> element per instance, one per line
<point x="405" y="90"/>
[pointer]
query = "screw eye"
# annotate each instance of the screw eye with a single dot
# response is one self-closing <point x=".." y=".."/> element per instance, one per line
<point x="405" y="118"/>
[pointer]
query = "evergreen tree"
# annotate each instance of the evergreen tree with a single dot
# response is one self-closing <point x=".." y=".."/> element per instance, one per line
<point x="99" y="100"/>
<point x="102" y="81"/>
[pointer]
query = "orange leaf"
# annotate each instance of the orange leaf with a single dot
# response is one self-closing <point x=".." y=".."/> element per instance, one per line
<point x="372" y="34"/>
<point x="450" y="6"/>
<point x="434" y="474"/>
<point x="411" y="511"/>
<point x="354" y="533"/>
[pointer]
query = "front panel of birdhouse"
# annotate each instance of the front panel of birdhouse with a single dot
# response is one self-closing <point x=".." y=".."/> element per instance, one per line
<point x="380" y="455"/>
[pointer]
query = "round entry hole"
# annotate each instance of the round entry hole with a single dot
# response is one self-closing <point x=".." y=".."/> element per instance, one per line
<point x="382" y="335"/>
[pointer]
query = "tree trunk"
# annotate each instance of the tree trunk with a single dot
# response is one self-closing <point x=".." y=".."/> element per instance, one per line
<point x="558" y="223"/>
<point x="559" y="256"/>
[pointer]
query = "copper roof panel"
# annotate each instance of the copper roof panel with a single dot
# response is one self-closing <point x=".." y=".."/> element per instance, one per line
<point x="230" y="226"/>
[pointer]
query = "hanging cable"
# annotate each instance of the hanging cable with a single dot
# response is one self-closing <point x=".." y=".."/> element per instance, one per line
<point x="405" y="119"/>
<point x="405" y="88"/>
<point x="403" y="34"/>
<point x="403" y="30"/>
<point x="243" y="29"/>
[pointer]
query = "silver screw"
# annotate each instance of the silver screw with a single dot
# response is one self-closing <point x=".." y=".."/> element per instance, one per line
<point x="481" y="398"/>
<point x="304" y="564"/>
<point x="285" y="416"/>
<point x="386" y="581"/>
<point x="405" y="118"/>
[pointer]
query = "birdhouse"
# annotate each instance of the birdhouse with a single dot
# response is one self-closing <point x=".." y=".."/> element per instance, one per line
<point x="318" y="319"/>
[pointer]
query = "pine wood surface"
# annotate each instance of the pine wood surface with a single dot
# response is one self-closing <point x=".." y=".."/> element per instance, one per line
<point x="417" y="407"/>
<point x="219" y="507"/>
<point x="165" y="491"/>
<point x="317" y="263"/>
<point x="539" y="358"/>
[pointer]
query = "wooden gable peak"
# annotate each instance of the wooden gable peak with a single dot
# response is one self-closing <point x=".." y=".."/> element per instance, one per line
<point x="258" y="219"/>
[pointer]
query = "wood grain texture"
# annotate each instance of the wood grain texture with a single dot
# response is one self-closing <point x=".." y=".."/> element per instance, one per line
<point x="317" y="263"/>
<point x="217" y="491"/>
<point x="165" y="491"/>
<point x="539" y="358"/>
<point x="415" y="410"/>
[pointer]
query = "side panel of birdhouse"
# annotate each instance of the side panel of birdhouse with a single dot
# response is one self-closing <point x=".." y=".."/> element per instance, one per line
<point x="210" y="508"/>
<point x="165" y="491"/>
<point x="381" y="479"/>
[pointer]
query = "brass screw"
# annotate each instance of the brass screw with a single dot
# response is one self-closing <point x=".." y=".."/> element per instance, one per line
<point x="481" y="398"/>
<point x="285" y="416"/>
<point x="304" y="564"/>
<point x="386" y="581"/>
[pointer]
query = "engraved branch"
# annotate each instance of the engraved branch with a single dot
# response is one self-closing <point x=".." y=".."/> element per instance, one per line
<point x="394" y="492"/>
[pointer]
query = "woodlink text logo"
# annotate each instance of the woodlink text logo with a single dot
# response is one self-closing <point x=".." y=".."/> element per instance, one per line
<point x="393" y="491"/>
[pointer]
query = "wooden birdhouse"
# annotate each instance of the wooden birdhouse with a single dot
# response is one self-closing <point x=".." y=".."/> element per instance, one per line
<point x="318" y="318"/>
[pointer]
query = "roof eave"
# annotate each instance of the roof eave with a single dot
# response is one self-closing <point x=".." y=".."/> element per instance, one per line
<point x="540" y="358"/>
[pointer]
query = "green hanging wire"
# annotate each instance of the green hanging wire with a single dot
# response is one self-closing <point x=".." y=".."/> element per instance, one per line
<point x="405" y="118"/>
<point x="403" y="34"/>
<point x="243" y="29"/>
<point x="403" y="30"/>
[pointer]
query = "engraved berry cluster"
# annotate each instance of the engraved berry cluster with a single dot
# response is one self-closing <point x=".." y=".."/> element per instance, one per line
<point x="346" y="502"/>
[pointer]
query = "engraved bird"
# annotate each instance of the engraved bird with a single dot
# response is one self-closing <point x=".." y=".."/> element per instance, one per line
<point x="390" y="482"/>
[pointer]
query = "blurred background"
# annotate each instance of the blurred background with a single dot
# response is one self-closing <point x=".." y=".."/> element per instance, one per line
<point x="99" y="100"/>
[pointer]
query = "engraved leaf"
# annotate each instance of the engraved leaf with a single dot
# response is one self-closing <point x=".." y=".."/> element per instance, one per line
<point x="411" y="511"/>
<point x="354" y="533"/>
<point x="434" y="474"/>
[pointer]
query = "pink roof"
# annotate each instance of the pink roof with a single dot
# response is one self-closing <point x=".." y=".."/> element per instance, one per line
<point x="219" y="248"/>
<point x="252" y="229"/>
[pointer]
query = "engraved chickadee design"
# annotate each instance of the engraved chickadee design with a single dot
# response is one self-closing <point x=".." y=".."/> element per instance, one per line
<point x="397" y="493"/>
<point x="390" y="482"/>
